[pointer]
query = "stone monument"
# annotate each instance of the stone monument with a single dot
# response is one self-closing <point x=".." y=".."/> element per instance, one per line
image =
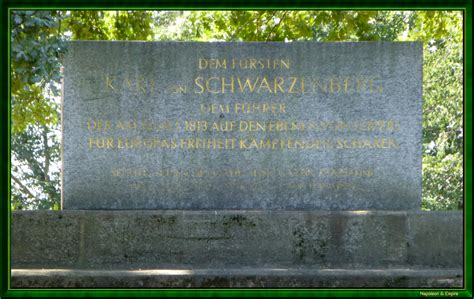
<point x="318" y="126"/>
<point x="240" y="165"/>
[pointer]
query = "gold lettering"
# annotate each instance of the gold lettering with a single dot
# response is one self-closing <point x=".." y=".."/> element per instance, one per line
<point x="202" y="63"/>
<point x="109" y="82"/>
<point x="97" y="142"/>
<point x="208" y="85"/>
<point x="141" y="85"/>
<point x="285" y="63"/>
<point x="253" y="64"/>
<point x="264" y="84"/>
<point x="99" y="125"/>
<point x="223" y="64"/>
<point x="317" y="84"/>
<point x="360" y="85"/>
<point x="346" y="85"/>
<point x="247" y="83"/>
<point x="129" y="83"/>
<point x="293" y="83"/>
<point x="198" y="82"/>
<point x="231" y="84"/>
<point x="152" y="85"/>
<point x="110" y="142"/>
<point x="277" y="84"/>
<point x="334" y="85"/>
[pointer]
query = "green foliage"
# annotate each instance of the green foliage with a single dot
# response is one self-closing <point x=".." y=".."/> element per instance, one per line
<point x="109" y="25"/>
<point x="442" y="110"/>
<point x="36" y="49"/>
<point x="133" y="25"/>
<point x="286" y="25"/>
<point x="87" y="25"/>
<point x="38" y="43"/>
<point x="35" y="169"/>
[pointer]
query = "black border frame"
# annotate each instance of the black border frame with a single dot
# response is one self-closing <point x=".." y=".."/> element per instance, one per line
<point x="5" y="118"/>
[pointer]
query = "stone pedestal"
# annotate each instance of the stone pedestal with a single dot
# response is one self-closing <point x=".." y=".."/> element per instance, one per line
<point x="236" y="249"/>
<point x="240" y="165"/>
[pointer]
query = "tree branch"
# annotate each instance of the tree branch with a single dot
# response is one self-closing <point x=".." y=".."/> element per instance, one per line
<point x="46" y="154"/>
<point x="23" y="187"/>
<point x="283" y="16"/>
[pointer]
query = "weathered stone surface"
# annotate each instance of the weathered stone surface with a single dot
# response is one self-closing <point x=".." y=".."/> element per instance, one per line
<point x="226" y="239"/>
<point x="344" y="131"/>
<point x="428" y="234"/>
<point x="46" y="238"/>
<point x="238" y="278"/>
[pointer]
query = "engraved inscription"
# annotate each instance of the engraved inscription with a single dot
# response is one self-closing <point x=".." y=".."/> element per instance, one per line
<point x="243" y="126"/>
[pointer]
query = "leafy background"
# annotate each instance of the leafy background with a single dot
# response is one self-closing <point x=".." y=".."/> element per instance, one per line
<point x="38" y="43"/>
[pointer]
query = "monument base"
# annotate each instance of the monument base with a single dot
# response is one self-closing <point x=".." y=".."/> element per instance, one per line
<point x="236" y="249"/>
<point x="238" y="278"/>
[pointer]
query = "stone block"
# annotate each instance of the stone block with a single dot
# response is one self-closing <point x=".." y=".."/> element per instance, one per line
<point x="224" y="126"/>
